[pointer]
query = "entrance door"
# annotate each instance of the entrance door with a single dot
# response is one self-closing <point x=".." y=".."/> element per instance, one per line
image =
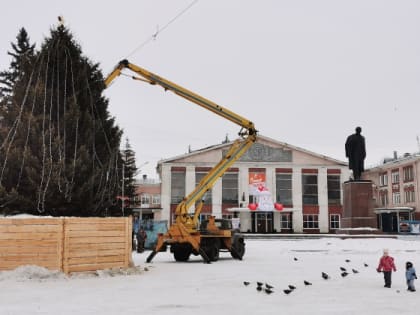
<point x="263" y="222"/>
<point x="389" y="222"/>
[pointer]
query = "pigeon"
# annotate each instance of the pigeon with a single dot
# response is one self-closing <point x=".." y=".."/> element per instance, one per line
<point x="292" y="287"/>
<point x="343" y="269"/>
<point x="259" y="288"/>
<point x="246" y="283"/>
<point x="347" y="260"/>
<point x="287" y="291"/>
<point x="268" y="291"/>
<point x="325" y="276"/>
<point x="344" y="274"/>
<point x="355" y="271"/>
<point x="295" y="259"/>
<point x="366" y="265"/>
<point x="307" y="282"/>
<point x="259" y="284"/>
<point x="268" y="286"/>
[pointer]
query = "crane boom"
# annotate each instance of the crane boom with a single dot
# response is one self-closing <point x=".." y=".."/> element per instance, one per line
<point x="185" y="227"/>
<point x="152" y="78"/>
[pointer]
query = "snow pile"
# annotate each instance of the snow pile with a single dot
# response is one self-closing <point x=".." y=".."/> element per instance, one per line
<point x="114" y="272"/>
<point x="37" y="273"/>
<point x="31" y="272"/>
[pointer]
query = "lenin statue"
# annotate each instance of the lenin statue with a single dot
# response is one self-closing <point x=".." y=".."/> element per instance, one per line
<point x="356" y="153"/>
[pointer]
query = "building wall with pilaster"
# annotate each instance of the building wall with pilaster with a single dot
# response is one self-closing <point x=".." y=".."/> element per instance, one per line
<point x="264" y="157"/>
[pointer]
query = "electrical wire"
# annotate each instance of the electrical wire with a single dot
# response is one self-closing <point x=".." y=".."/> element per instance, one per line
<point x="154" y="36"/>
<point x="30" y="117"/>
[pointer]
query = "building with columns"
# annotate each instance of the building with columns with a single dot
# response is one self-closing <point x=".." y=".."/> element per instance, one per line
<point x="274" y="187"/>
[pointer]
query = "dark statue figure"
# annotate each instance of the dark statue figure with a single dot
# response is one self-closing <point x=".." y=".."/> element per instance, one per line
<point x="356" y="153"/>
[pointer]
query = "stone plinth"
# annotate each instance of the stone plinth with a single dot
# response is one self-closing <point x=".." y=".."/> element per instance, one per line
<point x="358" y="205"/>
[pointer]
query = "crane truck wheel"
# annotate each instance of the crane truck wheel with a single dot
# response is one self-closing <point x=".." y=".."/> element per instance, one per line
<point x="182" y="251"/>
<point x="211" y="246"/>
<point x="238" y="247"/>
<point x="215" y="250"/>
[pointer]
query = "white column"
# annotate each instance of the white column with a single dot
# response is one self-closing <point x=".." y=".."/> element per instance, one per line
<point x="270" y="173"/>
<point x="216" y="198"/>
<point x="345" y="175"/>
<point x="165" y="197"/>
<point x="323" y="200"/>
<point x="243" y="185"/>
<point x="277" y="221"/>
<point x="271" y="181"/>
<point x="297" y="200"/>
<point x="189" y="180"/>
<point x="245" y="219"/>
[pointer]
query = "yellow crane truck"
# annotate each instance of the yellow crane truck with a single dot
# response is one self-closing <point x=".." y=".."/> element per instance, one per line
<point x="186" y="235"/>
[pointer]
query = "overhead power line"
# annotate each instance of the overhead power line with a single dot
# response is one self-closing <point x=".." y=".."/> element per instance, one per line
<point x="160" y="30"/>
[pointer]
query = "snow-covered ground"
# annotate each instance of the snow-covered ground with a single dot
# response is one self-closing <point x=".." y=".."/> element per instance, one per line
<point x="168" y="287"/>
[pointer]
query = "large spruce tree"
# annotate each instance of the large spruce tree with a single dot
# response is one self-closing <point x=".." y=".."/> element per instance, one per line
<point x="22" y="57"/>
<point x="59" y="147"/>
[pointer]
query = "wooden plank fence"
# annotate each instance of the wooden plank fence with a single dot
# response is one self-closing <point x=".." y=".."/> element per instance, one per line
<point x="67" y="244"/>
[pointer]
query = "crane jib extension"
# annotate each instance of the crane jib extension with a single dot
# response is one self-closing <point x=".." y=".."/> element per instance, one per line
<point x="184" y="230"/>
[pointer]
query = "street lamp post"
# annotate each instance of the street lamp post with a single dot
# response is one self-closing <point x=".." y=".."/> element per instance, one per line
<point x="123" y="183"/>
<point x="137" y="173"/>
<point x="122" y="188"/>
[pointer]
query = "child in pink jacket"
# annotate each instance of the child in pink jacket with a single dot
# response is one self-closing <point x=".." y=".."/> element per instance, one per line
<point x="386" y="265"/>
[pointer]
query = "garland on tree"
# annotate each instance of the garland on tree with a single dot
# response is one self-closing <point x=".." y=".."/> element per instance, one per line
<point x="59" y="147"/>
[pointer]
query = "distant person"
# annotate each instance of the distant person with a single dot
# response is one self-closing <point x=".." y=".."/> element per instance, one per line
<point x="356" y="153"/>
<point x="410" y="276"/>
<point x="136" y="225"/>
<point x="386" y="265"/>
<point x="141" y="239"/>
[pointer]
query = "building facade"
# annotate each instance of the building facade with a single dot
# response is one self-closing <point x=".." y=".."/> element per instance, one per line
<point x="146" y="204"/>
<point x="396" y="191"/>
<point x="303" y="188"/>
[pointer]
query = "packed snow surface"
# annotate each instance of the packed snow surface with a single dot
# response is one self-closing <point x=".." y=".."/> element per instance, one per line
<point x="168" y="287"/>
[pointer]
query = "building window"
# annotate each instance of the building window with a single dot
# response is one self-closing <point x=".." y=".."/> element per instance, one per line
<point x="286" y="222"/>
<point x="309" y="189"/>
<point x="284" y="189"/>
<point x="177" y="187"/>
<point x="395" y="176"/>
<point x="383" y="179"/>
<point x="408" y="175"/>
<point x="145" y="200"/>
<point x="409" y="195"/>
<point x="230" y="188"/>
<point x="383" y="198"/>
<point x="396" y="197"/>
<point x="334" y="221"/>
<point x="227" y="216"/>
<point x="156" y="199"/>
<point x="207" y="195"/>
<point x="310" y="221"/>
<point x="204" y="216"/>
<point x="334" y="191"/>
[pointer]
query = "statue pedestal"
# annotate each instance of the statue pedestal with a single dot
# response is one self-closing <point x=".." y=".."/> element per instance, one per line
<point x="358" y="205"/>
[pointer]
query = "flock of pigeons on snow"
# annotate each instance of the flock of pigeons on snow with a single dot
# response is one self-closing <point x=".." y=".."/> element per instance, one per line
<point x="267" y="288"/>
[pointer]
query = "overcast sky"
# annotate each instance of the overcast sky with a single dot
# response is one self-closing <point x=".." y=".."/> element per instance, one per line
<point x="305" y="72"/>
